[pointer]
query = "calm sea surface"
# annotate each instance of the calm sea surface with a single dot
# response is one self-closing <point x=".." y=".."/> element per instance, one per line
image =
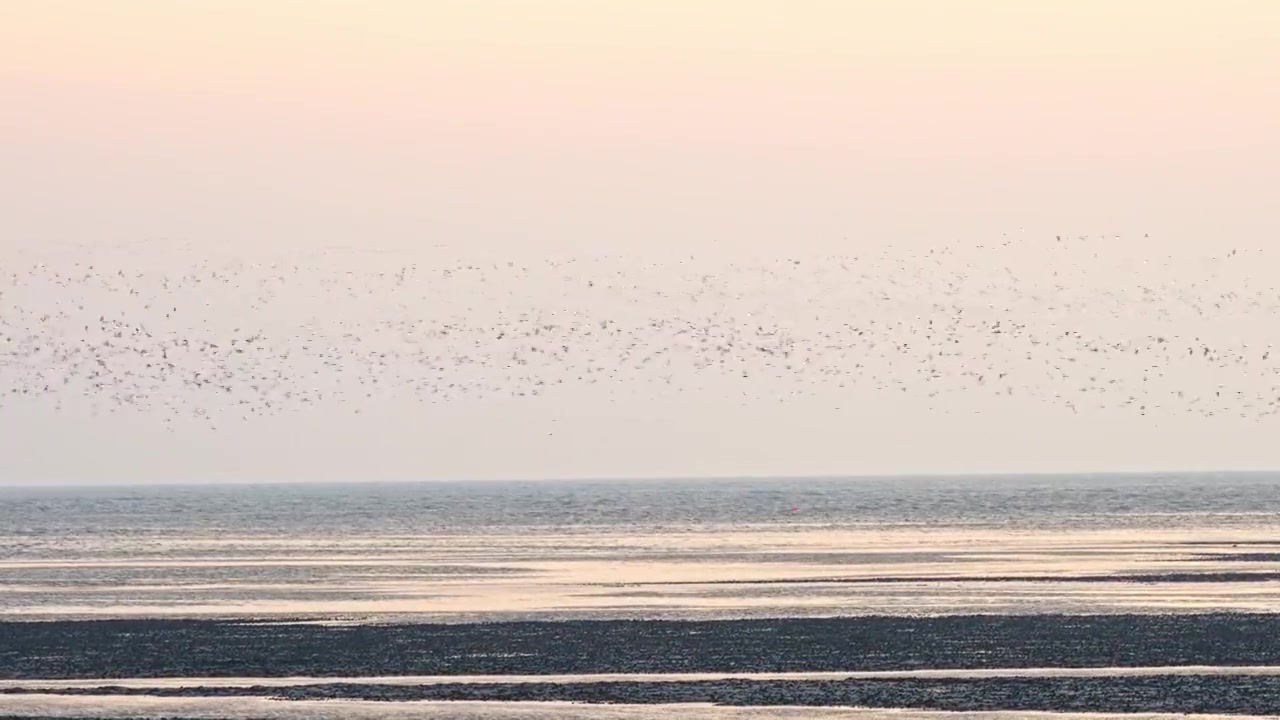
<point x="644" y="548"/>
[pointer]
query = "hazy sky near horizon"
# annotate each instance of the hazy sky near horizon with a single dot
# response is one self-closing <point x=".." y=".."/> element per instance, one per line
<point x="729" y="128"/>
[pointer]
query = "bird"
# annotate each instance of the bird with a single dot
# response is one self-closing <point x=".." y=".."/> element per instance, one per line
<point x="1089" y="327"/>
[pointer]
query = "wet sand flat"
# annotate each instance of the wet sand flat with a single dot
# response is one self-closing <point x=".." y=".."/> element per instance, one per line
<point x="105" y="707"/>
<point x="1250" y="695"/>
<point x="768" y="599"/>
<point x="694" y="573"/>
<point x="35" y="686"/>
<point x="202" y="648"/>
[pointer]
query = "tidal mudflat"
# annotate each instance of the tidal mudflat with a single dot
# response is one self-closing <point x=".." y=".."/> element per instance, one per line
<point x="927" y="597"/>
<point x="121" y="708"/>
<point x="1191" y="663"/>
<point x="201" y="648"/>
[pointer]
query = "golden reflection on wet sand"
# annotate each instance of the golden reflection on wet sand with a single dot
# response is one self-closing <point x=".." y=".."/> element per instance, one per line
<point x="694" y="573"/>
<point x="411" y="680"/>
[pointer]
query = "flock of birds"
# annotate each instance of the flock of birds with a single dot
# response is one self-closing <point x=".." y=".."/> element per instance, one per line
<point x="1090" y="324"/>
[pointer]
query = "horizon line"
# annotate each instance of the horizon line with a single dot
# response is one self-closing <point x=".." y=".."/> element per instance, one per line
<point x="816" y="477"/>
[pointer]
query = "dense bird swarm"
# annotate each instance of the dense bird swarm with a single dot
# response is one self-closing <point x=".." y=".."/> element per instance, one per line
<point x="1077" y="322"/>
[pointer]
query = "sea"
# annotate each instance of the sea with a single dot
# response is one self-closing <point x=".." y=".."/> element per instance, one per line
<point x="697" y="549"/>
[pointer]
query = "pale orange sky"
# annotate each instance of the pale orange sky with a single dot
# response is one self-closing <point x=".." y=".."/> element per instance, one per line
<point x="732" y="128"/>
<point x="588" y="122"/>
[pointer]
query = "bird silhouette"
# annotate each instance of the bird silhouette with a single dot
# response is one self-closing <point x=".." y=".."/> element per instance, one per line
<point x="1085" y="325"/>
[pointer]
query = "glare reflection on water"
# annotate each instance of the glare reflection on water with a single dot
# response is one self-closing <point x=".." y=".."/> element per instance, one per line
<point x="713" y="549"/>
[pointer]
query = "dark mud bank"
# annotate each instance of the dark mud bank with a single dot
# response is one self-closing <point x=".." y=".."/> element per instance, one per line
<point x="194" y="648"/>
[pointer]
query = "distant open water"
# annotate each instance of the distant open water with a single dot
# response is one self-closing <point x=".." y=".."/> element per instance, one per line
<point x="379" y="508"/>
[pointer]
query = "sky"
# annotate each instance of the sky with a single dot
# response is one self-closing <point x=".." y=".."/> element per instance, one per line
<point x="584" y="123"/>
<point x="732" y="129"/>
